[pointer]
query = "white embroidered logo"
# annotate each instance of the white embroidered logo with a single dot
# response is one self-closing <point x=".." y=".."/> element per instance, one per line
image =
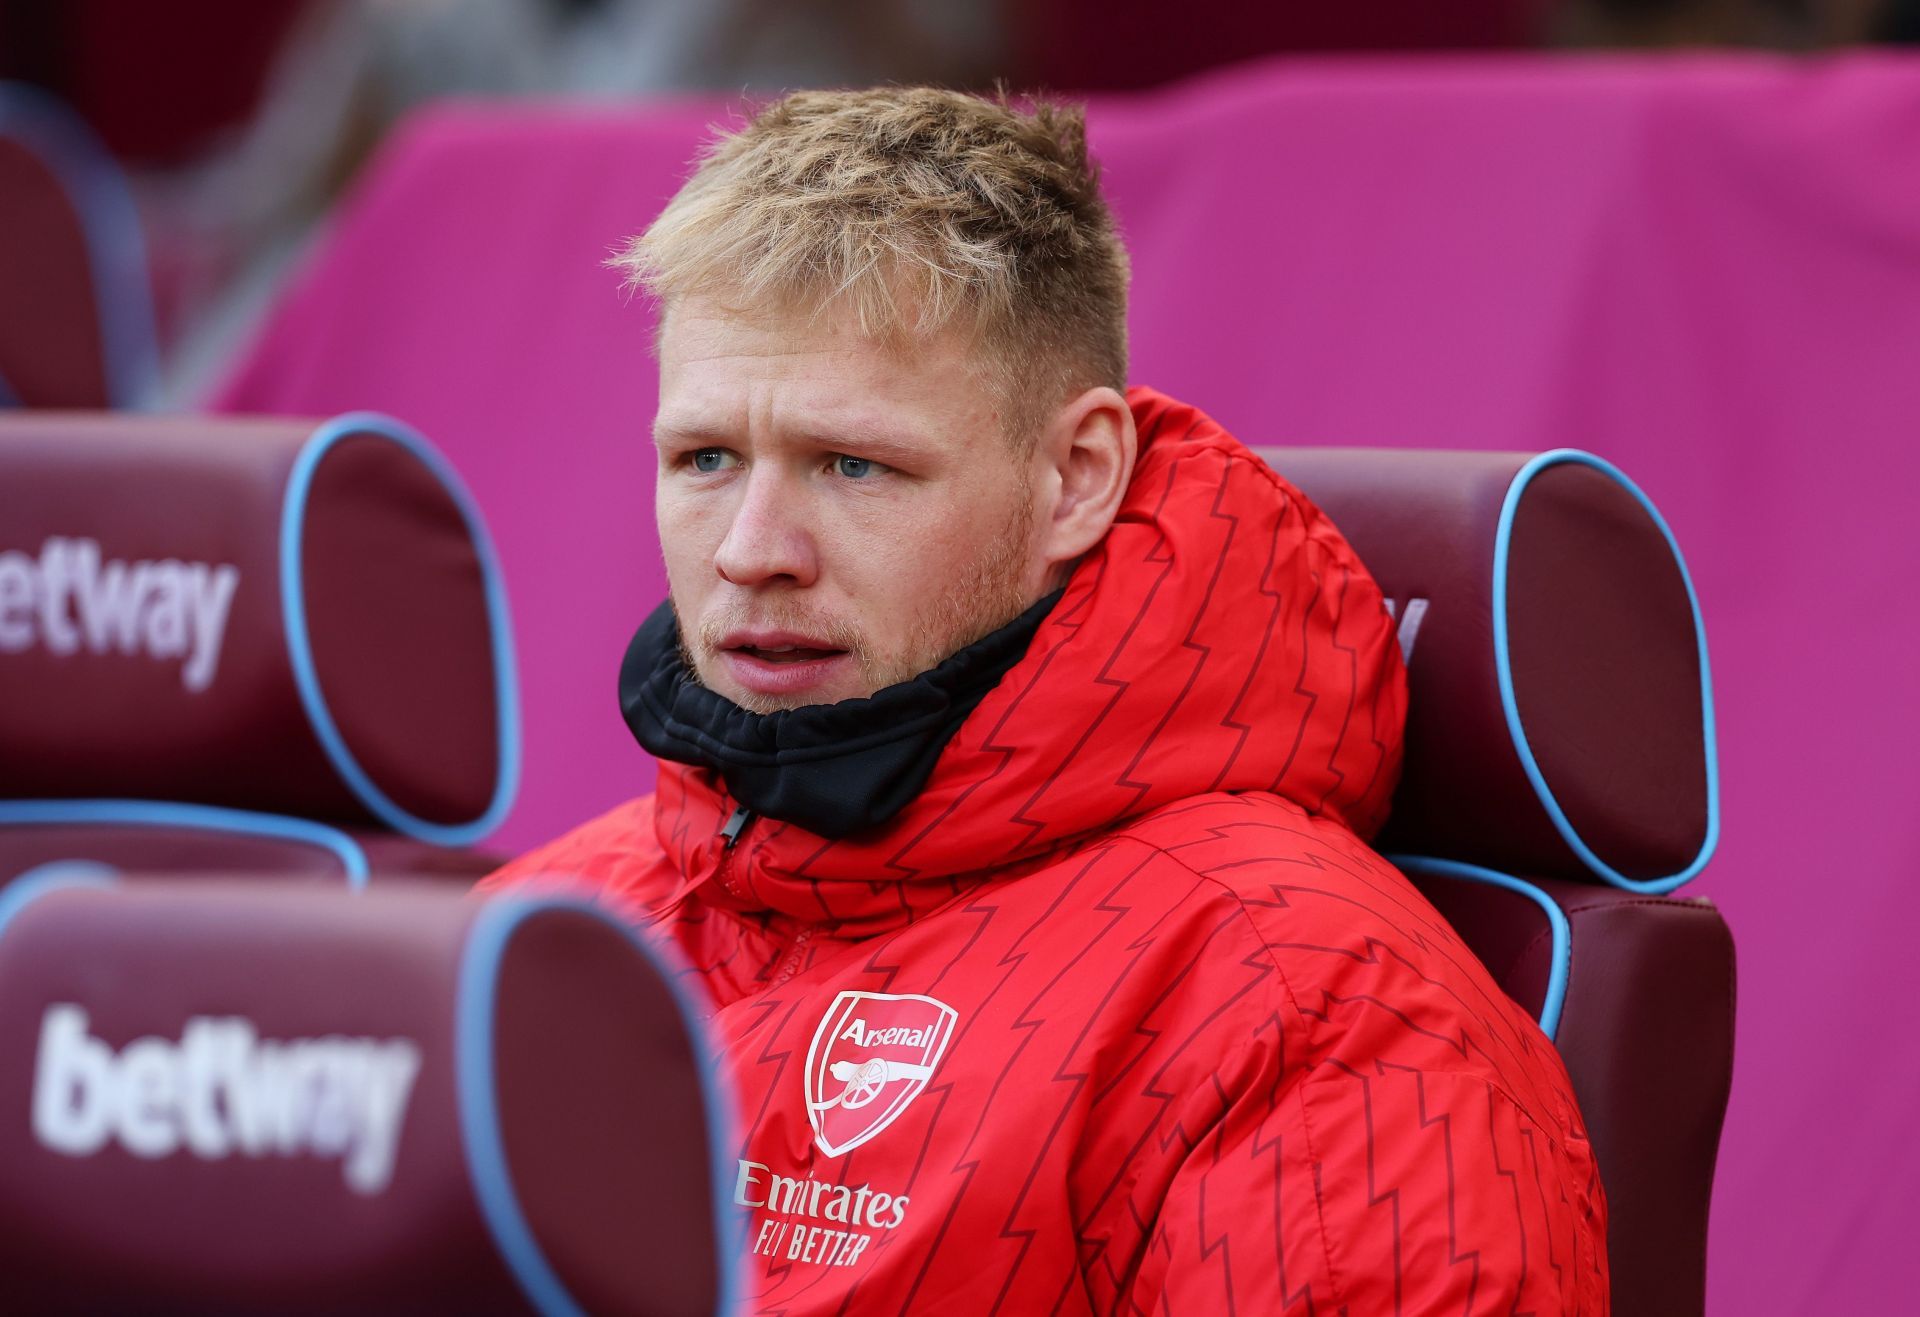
<point x="871" y="1055"/>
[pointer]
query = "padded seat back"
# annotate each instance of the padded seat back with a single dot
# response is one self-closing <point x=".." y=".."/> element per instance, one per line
<point x="1560" y="781"/>
<point x="250" y="644"/>
<point x="78" y="329"/>
<point x="245" y="1096"/>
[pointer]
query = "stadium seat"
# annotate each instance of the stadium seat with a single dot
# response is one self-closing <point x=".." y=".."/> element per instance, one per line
<point x="247" y="645"/>
<point x="1560" y="783"/>
<point x="73" y="259"/>
<point x="244" y="1096"/>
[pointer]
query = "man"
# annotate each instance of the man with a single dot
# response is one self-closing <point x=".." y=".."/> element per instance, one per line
<point x="1019" y="736"/>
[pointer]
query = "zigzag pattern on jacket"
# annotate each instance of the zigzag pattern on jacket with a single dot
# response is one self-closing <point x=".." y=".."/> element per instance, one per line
<point x="1212" y="1054"/>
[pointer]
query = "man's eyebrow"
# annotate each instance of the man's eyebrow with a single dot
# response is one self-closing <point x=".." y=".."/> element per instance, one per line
<point x="667" y="429"/>
<point x="883" y="443"/>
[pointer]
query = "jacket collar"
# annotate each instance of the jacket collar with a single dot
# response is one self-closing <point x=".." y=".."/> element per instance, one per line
<point x="833" y="769"/>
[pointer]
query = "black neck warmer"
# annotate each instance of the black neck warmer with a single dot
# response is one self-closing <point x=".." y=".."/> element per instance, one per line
<point x="833" y="769"/>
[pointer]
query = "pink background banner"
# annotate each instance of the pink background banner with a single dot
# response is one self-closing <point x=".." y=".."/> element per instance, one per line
<point x="1706" y="270"/>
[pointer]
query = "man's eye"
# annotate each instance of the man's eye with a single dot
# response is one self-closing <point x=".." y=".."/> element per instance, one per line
<point x="709" y="460"/>
<point x="855" y="468"/>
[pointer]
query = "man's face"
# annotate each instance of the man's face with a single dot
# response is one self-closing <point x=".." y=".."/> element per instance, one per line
<point x="836" y="516"/>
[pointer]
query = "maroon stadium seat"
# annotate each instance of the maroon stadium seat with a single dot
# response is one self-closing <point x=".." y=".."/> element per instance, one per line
<point x="262" y="1097"/>
<point x="247" y="646"/>
<point x="1560" y="784"/>
<point x="78" y="329"/>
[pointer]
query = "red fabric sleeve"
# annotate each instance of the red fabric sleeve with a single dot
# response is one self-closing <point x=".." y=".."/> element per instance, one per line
<point x="1389" y="1191"/>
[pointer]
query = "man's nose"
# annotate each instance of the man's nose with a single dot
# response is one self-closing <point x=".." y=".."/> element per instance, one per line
<point x="768" y="538"/>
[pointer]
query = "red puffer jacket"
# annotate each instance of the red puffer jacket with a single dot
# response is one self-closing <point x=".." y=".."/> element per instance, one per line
<point x="1120" y="1014"/>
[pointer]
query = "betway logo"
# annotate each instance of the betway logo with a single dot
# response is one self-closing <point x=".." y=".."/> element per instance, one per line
<point x="221" y="1091"/>
<point x="68" y="597"/>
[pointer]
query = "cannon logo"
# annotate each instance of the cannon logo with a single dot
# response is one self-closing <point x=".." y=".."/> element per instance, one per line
<point x="222" y="1091"/>
<point x="870" y="1057"/>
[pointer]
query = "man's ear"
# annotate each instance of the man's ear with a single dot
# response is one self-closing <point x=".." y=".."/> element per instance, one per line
<point x="1086" y="455"/>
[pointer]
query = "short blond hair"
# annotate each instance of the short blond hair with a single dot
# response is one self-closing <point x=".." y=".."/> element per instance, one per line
<point x="920" y="211"/>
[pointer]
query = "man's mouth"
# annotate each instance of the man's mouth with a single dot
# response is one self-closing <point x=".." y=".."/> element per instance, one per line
<point x="786" y="653"/>
<point x="771" y="646"/>
<point x="781" y="666"/>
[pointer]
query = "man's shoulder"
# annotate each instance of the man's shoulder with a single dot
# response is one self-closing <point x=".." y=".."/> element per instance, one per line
<point x="1336" y="910"/>
<point x="1372" y="969"/>
<point x="611" y="850"/>
<point x="1297" y="879"/>
<point x="1252" y="841"/>
<point x="1335" y="917"/>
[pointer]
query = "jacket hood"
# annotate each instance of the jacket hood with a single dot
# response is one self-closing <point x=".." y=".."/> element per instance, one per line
<point x="1222" y="637"/>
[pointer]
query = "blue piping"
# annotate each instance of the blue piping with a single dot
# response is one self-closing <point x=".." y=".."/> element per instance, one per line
<point x="1557" y="973"/>
<point x="210" y="818"/>
<point x="293" y="604"/>
<point x="110" y="222"/>
<point x="493" y="928"/>
<point x="55" y="876"/>
<point x="1503" y="665"/>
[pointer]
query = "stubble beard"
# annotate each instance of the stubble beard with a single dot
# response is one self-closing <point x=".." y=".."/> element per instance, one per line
<point x="988" y="593"/>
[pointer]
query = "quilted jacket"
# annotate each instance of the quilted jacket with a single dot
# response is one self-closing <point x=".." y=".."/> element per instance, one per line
<point x="1120" y="1013"/>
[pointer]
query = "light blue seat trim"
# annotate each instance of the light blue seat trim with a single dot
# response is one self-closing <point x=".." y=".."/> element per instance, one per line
<point x="1503" y="665"/>
<point x="54" y="876"/>
<point x="110" y="223"/>
<point x="306" y="678"/>
<point x="1562" y="965"/>
<point x="493" y="928"/>
<point x="211" y="818"/>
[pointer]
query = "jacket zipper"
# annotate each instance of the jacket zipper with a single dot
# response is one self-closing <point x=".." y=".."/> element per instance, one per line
<point x="791" y="965"/>
<point x="737" y="823"/>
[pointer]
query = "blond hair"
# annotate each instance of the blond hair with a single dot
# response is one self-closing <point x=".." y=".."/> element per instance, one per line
<point x="920" y="211"/>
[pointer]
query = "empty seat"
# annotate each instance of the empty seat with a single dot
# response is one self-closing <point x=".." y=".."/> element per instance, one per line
<point x="255" y="1096"/>
<point x="247" y="645"/>
<point x="79" y="326"/>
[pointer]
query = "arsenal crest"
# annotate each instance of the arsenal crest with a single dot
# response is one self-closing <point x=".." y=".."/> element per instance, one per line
<point x="870" y="1057"/>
